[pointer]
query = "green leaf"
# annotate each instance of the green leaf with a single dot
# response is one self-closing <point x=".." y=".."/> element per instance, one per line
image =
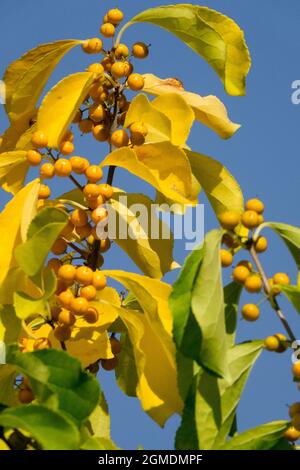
<point x="26" y="77"/>
<point x="58" y="375"/>
<point x="50" y="429"/>
<point x="293" y="294"/>
<point x="7" y="385"/>
<point x="263" y="437"/>
<point x="42" y="233"/>
<point x="10" y="324"/>
<point x="133" y="215"/>
<point x="289" y="234"/>
<point x="99" y="421"/>
<point x="99" y="443"/>
<point x="221" y="188"/>
<point x="210" y="408"/>
<point x="126" y="373"/>
<point x="212" y="35"/>
<point x="202" y="294"/>
<point x="232" y="293"/>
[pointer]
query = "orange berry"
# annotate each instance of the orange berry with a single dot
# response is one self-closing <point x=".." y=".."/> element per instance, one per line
<point x="118" y="70"/>
<point x="79" y="218"/>
<point x="66" y="318"/>
<point x="84" y="275"/>
<point x="253" y="284"/>
<point x="250" y="219"/>
<point x="281" y="279"/>
<point x="106" y="191"/>
<point x="62" y="167"/>
<point x="296" y="370"/>
<point x="78" y="117"/>
<point x="108" y="30"/>
<point x="41" y="343"/>
<point x="104" y="245"/>
<point x="250" y="312"/>
<point x="59" y="247"/>
<point x="138" y="132"/>
<point x="255" y="205"/>
<point x="95" y="202"/>
<point x="88" y="292"/>
<point x="140" y="50"/>
<point x="115" y="16"/>
<point x="291" y="434"/>
<point x="107" y="63"/>
<point x="79" y="165"/>
<point x="115" y="345"/>
<point x="271" y="343"/>
<point x="100" y="214"/>
<point x="68" y="136"/>
<point x="101" y="133"/>
<point x="79" y="305"/>
<point x="226" y="258"/>
<point x="246" y="263"/>
<point x="65" y="298"/>
<point x="97" y="113"/>
<point x="54" y="264"/>
<point x="229" y="220"/>
<point x="25" y="396"/>
<point x="229" y="241"/>
<point x="96" y="68"/>
<point x="136" y="82"/>
<point x="66" y="148"/>
<point x="83" y="232"/>
<point x="119" y="138"/>
<point x="67" y="273"/>
<point x="294" y="409"/>
<point x="92" y="46"/>
<point x="44" y="192"/>
<point x="62" y="333"/>
<point x="109" y="364"/>
<point x="91" y="191"/>
<point x="283" y="342"/>
<point x="94" y="173"/>
<point x="128" y="70"/>
<point x="121" y="51"/>
<point x="261" y="244"/>
<point x="99" y="280"/>
<point x="33" y="157"/>
<point x="240" y="274"/>
<point x="67" y="230"/>
<point x="39" y="139"/>
<point x="61" y="287"/>
<point x="47" y="171"/>
<point x="261" y="219"/>
<point x="86" y="126"/>
<point x="91" y="316"/>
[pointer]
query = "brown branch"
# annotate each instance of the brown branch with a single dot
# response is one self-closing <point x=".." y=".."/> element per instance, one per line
<point x="272" y="299"/>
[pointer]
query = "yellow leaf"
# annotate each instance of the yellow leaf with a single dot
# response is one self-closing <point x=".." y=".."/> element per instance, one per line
<point x="16" y="279"/>
<point x="208" y="109"/>
<point x="11" y="219"/>
<point x="152" y="255"/>
<point x="12" y="135"/>
<point x="26" y="77"/>
<point x="13" y="169"/>
<point x="162" y="165"/>
<point x="3" y="445"/>
<point x="151" y="337"/>
<point x="61" y="104"/>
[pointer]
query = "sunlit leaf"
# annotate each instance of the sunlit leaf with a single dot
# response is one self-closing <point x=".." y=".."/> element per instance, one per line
<point x="13" y="170"/>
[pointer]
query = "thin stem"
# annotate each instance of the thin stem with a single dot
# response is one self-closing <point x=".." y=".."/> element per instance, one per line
<point x="78" y="250"/>
<point x="274" y="302"/>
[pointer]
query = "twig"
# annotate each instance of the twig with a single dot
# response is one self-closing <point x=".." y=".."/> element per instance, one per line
<point x="274" y="302"/>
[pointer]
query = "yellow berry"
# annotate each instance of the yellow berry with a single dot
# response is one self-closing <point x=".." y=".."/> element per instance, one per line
<point x="79" y="305"/>
<point x="118" y="70"/>
<point x="88" y="292"/>
<point x="62" y="167"/>
<point x="96" y="68"/>
<point x="91" y="191"/>
<point x="67" y="272"/>
<point x="101" y="133"/>
<point x="99" y="280"/>
<point x="294" y="409"/>
<point x="100" y="214"/>
<point x="44" y="192"/>
<point x="250" y="312"/>
<point x="136" y="82"/>
<point x="115" y="16"/>
<point x="119" y="138"/>
<point x="83" y="232"/>
<point x="39" y="139"/>
<point x="65" y="298"/>
<point x="281" y="279"/>
<point x="33" y="157"/>
<point x="140" y="50"/>
<point x="296" y="421"/>
<point x="291" y="434"/>
<point x="104" y="245"/>
<point x="91" y="315"/>
<point x="97" y="113"/>
<point x="250" y="219"/>
<point x="94" y="173"/>
<point x="121" y="51"/>
<point x="296" y="370"/>
<point x="226" y="258"/>
<point x="59" y="247"/>
<point x="54" y="264"/>
<point x="86" y="126"/>
<point x="261" y="244"/>
<point x="253" y="284"/>
<point x="66" y="148"/>
<point x="128" y="69"/>
<point x="79" y="218"/>
<point x="138" y="132"/>
<point x="78" y="117"/>
<point x="108" y="30"/>
<point x="47" y="171"/>
<point x="62" y="333"/>
<point x="106" y="191"/>
<point x="272" y="343"/>
<point x="246" y="263"/>
<point x="255" y="205"/>
<point x="229" y="220"/>
<point x="84" y="275"/>
<point x="240" y="274"/>
<point x="107" y="63"/>
<point x="66" y="318"/>
<point x="92" y="46"/>
<point x="79" y="165"/>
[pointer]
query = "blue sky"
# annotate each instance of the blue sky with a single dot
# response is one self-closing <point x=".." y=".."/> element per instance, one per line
<point x="263" y="156"/>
